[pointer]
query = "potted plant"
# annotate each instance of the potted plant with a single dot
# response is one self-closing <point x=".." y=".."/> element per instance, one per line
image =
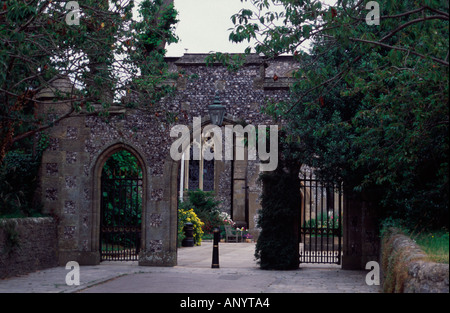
<point x="245" y="234"/>
<point x="247" y="237"/>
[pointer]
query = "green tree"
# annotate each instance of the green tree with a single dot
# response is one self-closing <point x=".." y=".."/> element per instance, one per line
<point x="369" y="105"/>
<point x="110" y="59"/>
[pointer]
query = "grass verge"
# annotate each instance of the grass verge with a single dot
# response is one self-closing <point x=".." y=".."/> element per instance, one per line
<point x="435" y="245"/>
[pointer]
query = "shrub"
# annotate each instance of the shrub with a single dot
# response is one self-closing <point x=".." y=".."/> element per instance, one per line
<point x="18" y="181"/>
<point x="189" y="216"/>
<point x="324" y="221"/>
<point x="277" y="246"/>
<point x="206" y="208"/>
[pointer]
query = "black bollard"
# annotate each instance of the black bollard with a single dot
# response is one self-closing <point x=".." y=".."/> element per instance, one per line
<point x="188" y="241"/>
<point x="215" y="255"/>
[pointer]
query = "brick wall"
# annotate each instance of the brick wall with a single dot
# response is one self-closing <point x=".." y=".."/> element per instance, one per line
<point x="27" y="245"/>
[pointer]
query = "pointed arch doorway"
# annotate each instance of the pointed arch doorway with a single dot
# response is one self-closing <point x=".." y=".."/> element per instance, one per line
<point x="119" y="186"/>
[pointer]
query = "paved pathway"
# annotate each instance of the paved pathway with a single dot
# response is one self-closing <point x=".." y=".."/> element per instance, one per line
<point x="238" y="273"/>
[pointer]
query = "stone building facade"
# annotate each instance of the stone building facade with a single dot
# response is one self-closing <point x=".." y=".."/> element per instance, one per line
<point x="71" y="169"/>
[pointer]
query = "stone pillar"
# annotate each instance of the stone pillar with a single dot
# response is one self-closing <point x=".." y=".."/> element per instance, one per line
<point x="240" y="193"/>
<point x="254" y="192"/>
<point x="161" y="218"/>
<point x="64" y="183"/>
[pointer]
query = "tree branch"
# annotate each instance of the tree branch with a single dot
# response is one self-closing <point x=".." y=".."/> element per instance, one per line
<point x="45" y="101"/>
<point x="42" y="8"/>
<point x="437" y="11"/>
<point x="443" y="62"/>
<point x="338" y="75"/>
<point x="34" y="131"/>
<point x="425" y="18"/>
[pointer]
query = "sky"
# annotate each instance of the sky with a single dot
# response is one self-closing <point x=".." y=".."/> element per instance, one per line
<point x="204" y="25"/>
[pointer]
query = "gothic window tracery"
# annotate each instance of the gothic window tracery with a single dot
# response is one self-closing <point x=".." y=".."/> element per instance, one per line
<point x="198" y="174"/>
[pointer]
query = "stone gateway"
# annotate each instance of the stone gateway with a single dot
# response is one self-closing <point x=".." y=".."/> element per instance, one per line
<point x="70" y="177"/>
<point x="79" y="146"/>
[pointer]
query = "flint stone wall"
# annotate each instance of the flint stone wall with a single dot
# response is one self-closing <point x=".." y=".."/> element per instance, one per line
<point x="70" y="174"/>
<point x="79" y="146"/>
<point x="27" y="245"/>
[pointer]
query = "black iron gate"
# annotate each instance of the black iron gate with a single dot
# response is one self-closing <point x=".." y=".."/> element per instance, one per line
<point x="320" y="221"/>
<point x="121" y="207"/>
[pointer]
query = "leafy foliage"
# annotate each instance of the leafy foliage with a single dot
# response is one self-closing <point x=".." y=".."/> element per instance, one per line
<point x="277" y="246"/>
<point x="110" y="59"/>
<point x="18" y="181"/>
<point x="189" y="216"/>
<point x="206" y="208"/>
<point x="122" y="164"/>
<point x="369" y="105"/>
<point x="324" y="221"/>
